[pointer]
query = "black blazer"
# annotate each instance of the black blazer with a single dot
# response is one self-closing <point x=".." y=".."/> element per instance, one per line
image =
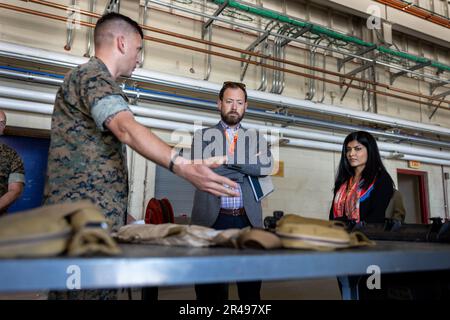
<point x="373" y="208"/>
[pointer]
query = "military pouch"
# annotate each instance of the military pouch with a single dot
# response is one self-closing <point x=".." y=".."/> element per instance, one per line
<point x="77" y="228"/>
<point x="170" y="234"/>
<point x="307" y="233"/>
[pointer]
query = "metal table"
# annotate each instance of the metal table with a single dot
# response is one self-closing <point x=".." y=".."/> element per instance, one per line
<point x="149" y="265"/>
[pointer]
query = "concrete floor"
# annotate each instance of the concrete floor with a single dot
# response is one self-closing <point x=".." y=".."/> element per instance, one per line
<point x="320" y="289"/>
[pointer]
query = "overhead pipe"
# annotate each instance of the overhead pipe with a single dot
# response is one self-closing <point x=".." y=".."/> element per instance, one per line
<point x="208" y="105"/>
<point x="26" y="106"/>
<point x="417" y="11"/>
<point x="43" y="56"/>
<point x="25" y="94"/>
<point x="40" y="108"/>
<point x="233" y="23"/>
<point x="322" y="30"/>
<point x="289" y="133"/>
<point x="95" y="15"/>
<point x="29" y="77"/>
<point x="306" y="75"/>
<point x="251" y="53"/>
<point x="163" y="41"/>
<point x="176" y="116"/>
<point x="386" y="50"/>
<point x="90" y="33"/>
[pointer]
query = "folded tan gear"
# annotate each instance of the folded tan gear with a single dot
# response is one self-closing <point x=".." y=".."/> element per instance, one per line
<point x="294" y="218"/>
<point x="228" y="237"/>
<point x="91" y="234"/>
<point x="259" y="239"/>
<point x="316" y="234"/>
<point x="196" y="236"/>
<point x="139" y="233"/>
<point x="169" y="234"/>
<point x="78" y="227"/>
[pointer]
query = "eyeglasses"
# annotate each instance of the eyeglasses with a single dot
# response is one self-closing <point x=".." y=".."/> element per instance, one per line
<point x="234" y="84"/>
<point x="3" y="123"/>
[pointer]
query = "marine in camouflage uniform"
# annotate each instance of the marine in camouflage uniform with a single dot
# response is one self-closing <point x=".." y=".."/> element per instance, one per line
<point x="86" y="161"/>
<point x="90" y="120"/>
<point x="11" y="170"/>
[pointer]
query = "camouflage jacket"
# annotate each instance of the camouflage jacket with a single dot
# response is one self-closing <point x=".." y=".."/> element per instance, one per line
<point x="11" y="169"/>
<point x="86" y="161"/>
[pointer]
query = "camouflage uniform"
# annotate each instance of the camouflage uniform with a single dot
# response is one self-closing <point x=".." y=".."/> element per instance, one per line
<point x="11" y="169"/>
<point x="86" y="161"/>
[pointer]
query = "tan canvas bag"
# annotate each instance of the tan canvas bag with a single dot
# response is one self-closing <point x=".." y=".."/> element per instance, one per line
<point x="78" y="228"/>
<point x="315" y="234"/>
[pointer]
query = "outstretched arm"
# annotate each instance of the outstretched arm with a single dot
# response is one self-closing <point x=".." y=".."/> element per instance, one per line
<point x="142" y="140"/>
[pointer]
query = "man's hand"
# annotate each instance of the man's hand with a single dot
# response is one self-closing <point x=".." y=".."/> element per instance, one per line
<point x="199" y="173"/>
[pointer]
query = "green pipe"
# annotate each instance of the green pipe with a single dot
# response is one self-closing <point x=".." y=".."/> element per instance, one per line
<point x="325" y="31"/>
<point x="440" y="65"/>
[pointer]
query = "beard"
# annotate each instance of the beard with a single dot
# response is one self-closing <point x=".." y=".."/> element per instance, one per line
<point x="231" y="118"/>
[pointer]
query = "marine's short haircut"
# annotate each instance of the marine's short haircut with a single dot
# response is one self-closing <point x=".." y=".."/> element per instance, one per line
<point x="109" y="19"/>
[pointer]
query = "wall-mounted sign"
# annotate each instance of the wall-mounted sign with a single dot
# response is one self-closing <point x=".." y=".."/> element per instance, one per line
<point x="414" y="164"/>
<point x="278" y="169"/>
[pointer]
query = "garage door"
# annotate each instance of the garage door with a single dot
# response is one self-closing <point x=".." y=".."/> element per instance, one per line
<point x="179" y="192"/>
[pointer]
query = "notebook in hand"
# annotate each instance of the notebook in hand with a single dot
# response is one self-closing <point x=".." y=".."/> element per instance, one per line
<point x="261" y="186"/>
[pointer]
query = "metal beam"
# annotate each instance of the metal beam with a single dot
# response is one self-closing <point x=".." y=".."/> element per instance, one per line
<point x="297" y="34"/>
<point x="341" y="62"/>
<point x="215" y="14"/>
<point x="363" y="67"/>
<point x="417" y="66"/>
<point x="260" y="39"/>
<point x="345" y="92"/>
<point x="435" y="85"/>
<point x="156" y="265"/>
<point x="442" y="95"/>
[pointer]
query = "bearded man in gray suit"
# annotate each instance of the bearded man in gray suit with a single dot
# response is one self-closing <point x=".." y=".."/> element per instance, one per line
<point x="248" y="154"/>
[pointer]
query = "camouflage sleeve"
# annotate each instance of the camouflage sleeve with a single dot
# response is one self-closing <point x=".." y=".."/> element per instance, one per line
<point x="17" y="173"/>
<point x="106" y="108"/>
<point x="102" y="96"/>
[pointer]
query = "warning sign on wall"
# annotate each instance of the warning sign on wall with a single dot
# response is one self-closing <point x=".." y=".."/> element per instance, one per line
<point x="414" y="164"/>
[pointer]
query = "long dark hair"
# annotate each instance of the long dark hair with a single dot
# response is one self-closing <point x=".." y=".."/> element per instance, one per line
<point x="373" y="167"/>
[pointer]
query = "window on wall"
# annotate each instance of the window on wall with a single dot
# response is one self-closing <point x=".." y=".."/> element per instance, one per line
<point x="179" y="192"/>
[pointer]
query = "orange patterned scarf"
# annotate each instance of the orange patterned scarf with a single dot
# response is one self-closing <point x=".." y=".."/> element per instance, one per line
<point x="346" y="200"/>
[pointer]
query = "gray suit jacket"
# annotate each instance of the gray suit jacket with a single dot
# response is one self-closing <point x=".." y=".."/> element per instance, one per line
<point x="212" y="142"/>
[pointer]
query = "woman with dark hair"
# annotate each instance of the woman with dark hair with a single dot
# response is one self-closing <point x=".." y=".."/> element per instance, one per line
<point x="363" y="187"/>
